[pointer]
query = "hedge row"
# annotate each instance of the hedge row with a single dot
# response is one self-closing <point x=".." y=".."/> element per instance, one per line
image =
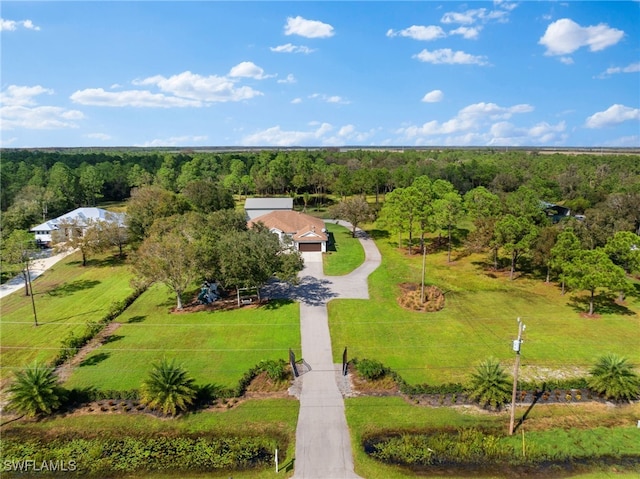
<point x="106" y="456"/>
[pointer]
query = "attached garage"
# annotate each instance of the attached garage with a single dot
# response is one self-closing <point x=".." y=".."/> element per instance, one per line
<point x="310" y="247"/>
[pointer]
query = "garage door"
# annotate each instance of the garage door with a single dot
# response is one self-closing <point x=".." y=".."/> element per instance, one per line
<point x="310" y="246"/>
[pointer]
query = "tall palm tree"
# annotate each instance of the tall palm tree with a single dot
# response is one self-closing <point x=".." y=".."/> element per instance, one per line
<point x="35" y="391"/>
<point x="614" y="377"/>
<point x="169" y="388"/>
<point x="490" y="385"/>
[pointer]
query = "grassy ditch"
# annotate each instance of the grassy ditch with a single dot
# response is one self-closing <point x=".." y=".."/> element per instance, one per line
<point x="559" y="440"/>
<point x="116" y="445"/>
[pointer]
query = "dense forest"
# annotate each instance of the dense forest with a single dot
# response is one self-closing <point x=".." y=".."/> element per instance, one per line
<point x="41" y="184"/>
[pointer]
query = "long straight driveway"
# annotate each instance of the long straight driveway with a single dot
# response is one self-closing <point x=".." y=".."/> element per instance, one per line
<point x="323" y="445"/>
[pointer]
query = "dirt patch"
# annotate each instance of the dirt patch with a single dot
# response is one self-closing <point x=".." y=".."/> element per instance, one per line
<point x="223" y="304"/>
<point x="411" y="298"/>
<point x="64" y="370"/>
<point x="385" y="386"/>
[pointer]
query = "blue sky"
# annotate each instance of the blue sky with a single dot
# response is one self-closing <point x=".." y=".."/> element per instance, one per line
<point x="320" y="73"/>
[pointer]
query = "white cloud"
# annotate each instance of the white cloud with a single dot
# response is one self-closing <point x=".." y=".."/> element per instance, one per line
<point x="8" y="141"/>
<point x="329" y="98"/>
<point x="470" y="17"/>
<point x="248" y="70"/>
<point x="307" y="28"/>
<point x="448" y="56"/>
<point x="624" y="141"/>
<point x="291" y="48"/>
<point x="433" y="96"/>
<point x="631" y="68"/>
<point x="567" y="60"/>
<point x="20" y="110"/>
<point x="470" y="33"/>
<point x="419" y="32"/>
<point x="132" y="98"/>
<point x="295" y="101"/>
<point x="175" y="141"/>
<point x="99" y="136"/>
<point x="12" y="25"/>
<point x="212" y="88"/>
<point x="469" y="119"/>
<point x="613" y="115"/>
<point x="290" y="79"/>
<point x="276" y="136"/>
<point x="565" y="36"/>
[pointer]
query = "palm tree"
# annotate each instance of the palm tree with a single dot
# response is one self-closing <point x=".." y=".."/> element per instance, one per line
<point x="168" y="388"/>
<point x="490" y="385"/>
<point x="614" y="377"/>
<point x="35" y="391"/>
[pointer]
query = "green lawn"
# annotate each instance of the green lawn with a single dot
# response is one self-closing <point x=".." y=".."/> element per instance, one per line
<point x="346" y="255"/>
<point x="478" y="321"/>
<point x="252" y="416"/>
<point x="583" y="431"/>
<point x="67" y="296"/>
<point x="215" y="347"/>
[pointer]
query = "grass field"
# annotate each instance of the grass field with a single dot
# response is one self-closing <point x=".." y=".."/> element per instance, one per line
<point x="478" y="321"/>
<point x="215" y="347"/>
<point x="346" y="255"/>
<point x="585" y="430"/>
<point x="66" y="297"/>
<point x="248" y="417"/>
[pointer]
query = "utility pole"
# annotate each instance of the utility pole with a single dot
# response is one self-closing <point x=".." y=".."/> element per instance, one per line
<point x="424" y="261"/>
<point x="516" y="348"/>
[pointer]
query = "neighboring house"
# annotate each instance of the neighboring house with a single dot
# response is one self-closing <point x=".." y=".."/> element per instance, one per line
<point x="83" y="216"/>
<point x="255" y="207"/>
<point x="306" y="232"/>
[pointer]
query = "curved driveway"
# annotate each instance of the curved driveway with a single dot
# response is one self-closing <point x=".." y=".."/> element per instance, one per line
<point x="323" y="445"/>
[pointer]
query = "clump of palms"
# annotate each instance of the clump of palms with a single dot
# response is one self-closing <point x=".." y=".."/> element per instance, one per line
<point x="169" y="388"/>
<point x="490" y="385"/>
<point x="35" y="391"/>
<point x="614" y="377"/>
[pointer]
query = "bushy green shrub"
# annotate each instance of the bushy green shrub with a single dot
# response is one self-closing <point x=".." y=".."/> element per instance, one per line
<point x="370" y="369"/>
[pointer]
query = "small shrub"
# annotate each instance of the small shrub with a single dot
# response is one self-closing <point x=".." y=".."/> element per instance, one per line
<point x="371" y="369"/>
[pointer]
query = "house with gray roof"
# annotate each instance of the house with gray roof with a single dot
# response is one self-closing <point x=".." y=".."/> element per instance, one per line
<point x="255" y="207"/>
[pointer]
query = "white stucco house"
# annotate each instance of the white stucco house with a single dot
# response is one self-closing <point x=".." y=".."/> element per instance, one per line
<point x="81" y="216"/>
<point x="307" y="232"/>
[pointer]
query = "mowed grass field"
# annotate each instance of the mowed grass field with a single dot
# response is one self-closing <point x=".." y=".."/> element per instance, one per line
<point x="478" y="321"/>
<point x="214" y="347"/>
<point x="67" y="296"/>
<point x="345" y="255"/>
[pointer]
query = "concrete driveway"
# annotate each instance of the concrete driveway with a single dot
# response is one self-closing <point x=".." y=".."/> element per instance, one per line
<point x="323" y="444"/>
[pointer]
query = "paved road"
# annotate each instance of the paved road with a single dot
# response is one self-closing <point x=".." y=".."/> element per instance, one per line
<point x="323" y="445"/>
<point x="38" y="267"/>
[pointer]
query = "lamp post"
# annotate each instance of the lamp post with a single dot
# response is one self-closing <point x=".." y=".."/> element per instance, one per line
<point x="516" y="347"/>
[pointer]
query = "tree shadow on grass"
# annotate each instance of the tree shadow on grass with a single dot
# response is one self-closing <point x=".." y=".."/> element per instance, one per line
<point x="136" y="319"/>
<point x="112" y="339"/>
<point x="277" y="303"/>
<point x="73" y="287"/>
<point x="95" y="359"/>
<point x="332" y="242"/>
<point x="309" y="290"/>
<point x="378" y="234"/>
<point x="603" y="303"/>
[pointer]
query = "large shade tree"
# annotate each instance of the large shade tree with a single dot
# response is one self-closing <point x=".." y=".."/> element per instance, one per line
<point x="566" y="247"/>
<point x="592" y="269"/>
<point x="516" y="235"/>
<point x="355" y="210"/>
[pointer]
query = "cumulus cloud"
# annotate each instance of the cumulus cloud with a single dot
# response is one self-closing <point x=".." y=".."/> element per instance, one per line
<point x="248" y="70"/>
<point x="433" y="96"/>
<point x="307" y="28"/>
<point x="12" y="25"/>
<point x="613" y="115"/>
<point x="132" y="98"/>
<point x="470" y="33"/>
<point x="329" y="98"/>
<point x="448" y="56"/>
<point x="276" y="136"/>
<point x="631" y="68"/>
<point x="291" y="48"/>
<point x="290" y="79"/>
<point x="419" y="32"/>
<point x="472" y="16"/>
<point x="21" y="110"/>
<point x="468" y="122"/>
<point x="175" y="141"/>
<point x="295" y="101"/>
<point x="565" y="36"/>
